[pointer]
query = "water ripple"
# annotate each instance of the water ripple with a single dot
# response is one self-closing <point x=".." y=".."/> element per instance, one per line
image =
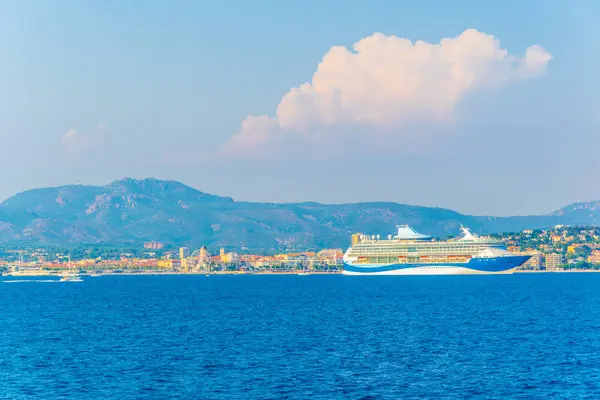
<point x="318" y="337"/>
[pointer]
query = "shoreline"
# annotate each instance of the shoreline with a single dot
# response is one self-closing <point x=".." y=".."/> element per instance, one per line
<point x="558" y="271"/>
<point x="42" y="273"/>
<point x="58" y="274"/>
<point x="34" y="274"/>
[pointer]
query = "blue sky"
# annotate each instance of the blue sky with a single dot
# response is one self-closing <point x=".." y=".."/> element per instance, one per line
<point x="95" y="91"/>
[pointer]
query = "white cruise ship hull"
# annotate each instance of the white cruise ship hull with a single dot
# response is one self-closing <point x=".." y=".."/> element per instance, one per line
<point x="438" y="270"/>
<point x="476" y="266"/>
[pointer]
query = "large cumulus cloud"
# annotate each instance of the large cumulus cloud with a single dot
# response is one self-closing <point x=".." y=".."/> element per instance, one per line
<point x="387" y="82"/>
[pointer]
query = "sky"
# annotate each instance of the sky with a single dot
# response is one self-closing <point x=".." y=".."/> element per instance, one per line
<point x="486" y="108"/>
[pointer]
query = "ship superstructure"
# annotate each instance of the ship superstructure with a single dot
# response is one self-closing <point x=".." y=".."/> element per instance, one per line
<point x="412" y="253"/>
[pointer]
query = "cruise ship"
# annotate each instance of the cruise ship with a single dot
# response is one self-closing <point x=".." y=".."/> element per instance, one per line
<point x="412" y="253"/>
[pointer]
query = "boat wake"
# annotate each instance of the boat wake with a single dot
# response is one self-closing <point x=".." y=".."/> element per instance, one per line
<point x="32" y="281"/>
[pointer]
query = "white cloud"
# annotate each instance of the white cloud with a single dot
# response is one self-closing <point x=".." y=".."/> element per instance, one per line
<point x="252" y="136"/>
<point x="535" y="62"/>
<point x="79" y="143"/>
<point x="388" y="82"/>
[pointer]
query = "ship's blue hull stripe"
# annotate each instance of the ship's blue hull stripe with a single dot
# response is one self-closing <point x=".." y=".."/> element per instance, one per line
<point x="493" y="264"/>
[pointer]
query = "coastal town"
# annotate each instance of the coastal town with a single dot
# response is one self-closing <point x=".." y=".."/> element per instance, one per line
<point x="156" y="258"/>
<point x="561" y="248"/>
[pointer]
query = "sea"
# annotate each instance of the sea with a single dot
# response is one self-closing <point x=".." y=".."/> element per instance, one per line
<point x="525" y="336"/>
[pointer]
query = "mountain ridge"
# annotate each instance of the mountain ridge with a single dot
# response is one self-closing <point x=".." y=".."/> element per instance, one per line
<point x="131" y="211"/>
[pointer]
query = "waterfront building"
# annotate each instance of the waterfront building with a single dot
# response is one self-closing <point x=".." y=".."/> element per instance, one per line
<point x="330" y="256"/>
<point x="227" y="258"/>
<point x="204" y="252"/>
<point x="554" y="261"/>
<point x="169" y="264"/>
<point x="203" y="256"/>
<point x="535" y="262"/>
<point x="183" y="262"/>
<point x="184" y="252"/>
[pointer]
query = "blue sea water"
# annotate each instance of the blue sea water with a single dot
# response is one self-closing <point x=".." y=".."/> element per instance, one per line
<point x="302" y="337"/>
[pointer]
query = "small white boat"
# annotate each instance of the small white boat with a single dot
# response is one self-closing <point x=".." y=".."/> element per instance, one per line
<point x="71" y="278"/>
<point x="303" y="273"/>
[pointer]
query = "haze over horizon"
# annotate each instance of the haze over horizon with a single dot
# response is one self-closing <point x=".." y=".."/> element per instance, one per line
<point x="486" y="109"/>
